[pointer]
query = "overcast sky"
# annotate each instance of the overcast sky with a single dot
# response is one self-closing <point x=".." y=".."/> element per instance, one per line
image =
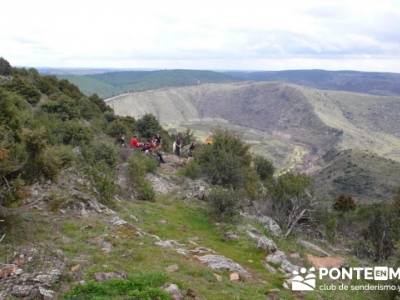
<point x="203" y="34"/>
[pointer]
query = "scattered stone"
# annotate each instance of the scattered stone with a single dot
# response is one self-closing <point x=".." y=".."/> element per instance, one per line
<point x="234" y="276"/>
<point x="312" y="247"/>
<point x="221" y="263"/>
<point x="134" y="218"/>
<point x="201" y="250"/>
<point x="47" y="294"/>
<point x="169" y="244"/>
<point x="75" y="268"/>
<point x="172" y="268"/>
<point x="325" y="262"/>
<point x="22" y="291"/>
<point x="117" y="221"/>
<point x="163" y="221"/>
<point x="100" y="277"/>
<point x="231" y="236"/>
<point x="218" y="277"/>
<point x="270" y="224"/>
<point x="279" y="258"/>
<point x="161" y="184"/>
<point x="262" y="241"/>
<point x="48" y="279"/>
<point x="174" y="291"/>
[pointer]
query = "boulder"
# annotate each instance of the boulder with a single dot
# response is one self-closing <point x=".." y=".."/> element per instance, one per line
<point x="174" y="291"/>
<point x="270" y="224"/>
<point x="221" y="263"/>
<point x="262" y="241"/>
<point x="279" y="258"/>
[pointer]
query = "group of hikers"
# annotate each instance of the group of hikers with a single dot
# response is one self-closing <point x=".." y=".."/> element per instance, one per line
<point x="154" y="144"/>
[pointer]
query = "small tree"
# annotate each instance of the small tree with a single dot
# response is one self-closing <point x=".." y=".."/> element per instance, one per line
<point x="5" y="67"/>
<point x="148" y="126"/>
<point x="264" y="167"/>
<point x="223" y="204"/>
<point x="344" y="203"/>
<point x="382" y="232"/>
<point x="292" y="199"/>
<point x="226" y="161"/>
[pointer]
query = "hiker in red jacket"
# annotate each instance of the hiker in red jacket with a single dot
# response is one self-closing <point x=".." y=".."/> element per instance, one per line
<point x="135" y="142"/>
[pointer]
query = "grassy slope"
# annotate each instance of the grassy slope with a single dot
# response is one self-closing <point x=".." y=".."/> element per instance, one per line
<point x="113" y="83"/>
<point x="136" y="255"/>
<point x="89" y="85"/>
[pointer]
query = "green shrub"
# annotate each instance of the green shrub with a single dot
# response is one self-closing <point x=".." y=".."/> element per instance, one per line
<point x="148" y="126"/>
<point x="144" y="190"/>
<point x="264" y="167"/>
<point x="330" y="228"/>
<point x="226" y="161"/>
<point x="138" y="165"/>
<point x="102" y="178"/>
<point x="63" y="106"/>
<point x="144" y="286"/>
<point x="100" y="153"/>
<point x="54" y="158"/>
<point x="224" y="204"/>
<point x="291" y="194"/>
<point x="344" y="203"/>
<point x="25" y="88"/>
<point x="191" y="170"/>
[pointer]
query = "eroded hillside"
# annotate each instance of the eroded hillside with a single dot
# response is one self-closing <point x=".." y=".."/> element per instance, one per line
<point x="293" y="125"/>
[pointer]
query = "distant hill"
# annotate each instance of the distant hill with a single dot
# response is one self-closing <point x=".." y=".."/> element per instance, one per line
<point x="107" y="83"/>
<point x="297" y="125"/>
<point x="352" y="81"/>
<point x="367" y="176"/>
<point x="114" y="83"/>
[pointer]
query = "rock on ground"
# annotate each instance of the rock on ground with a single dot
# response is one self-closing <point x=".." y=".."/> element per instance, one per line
<point x="262" y="241"/>
<point x="279" y="258"/>
<point x="221" y="263"/>
<point x="174" y="291"/>
<point x="270" y="224"/>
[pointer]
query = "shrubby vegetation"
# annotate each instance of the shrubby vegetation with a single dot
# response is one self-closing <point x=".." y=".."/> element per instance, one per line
<point x="140" y="286"/>
<point x="47" y="124"/>
<point x="224" y="204"/>
<point x="139" y="165"/>
<point x="226" y="161"/>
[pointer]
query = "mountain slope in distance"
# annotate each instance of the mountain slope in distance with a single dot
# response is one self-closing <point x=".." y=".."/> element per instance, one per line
<point x="298" y="125"/>
<point x="114" y="83"/>
<point x="378" y="83"/>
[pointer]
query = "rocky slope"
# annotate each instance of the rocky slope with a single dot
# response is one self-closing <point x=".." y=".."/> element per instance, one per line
<point x="85" y="242"/>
